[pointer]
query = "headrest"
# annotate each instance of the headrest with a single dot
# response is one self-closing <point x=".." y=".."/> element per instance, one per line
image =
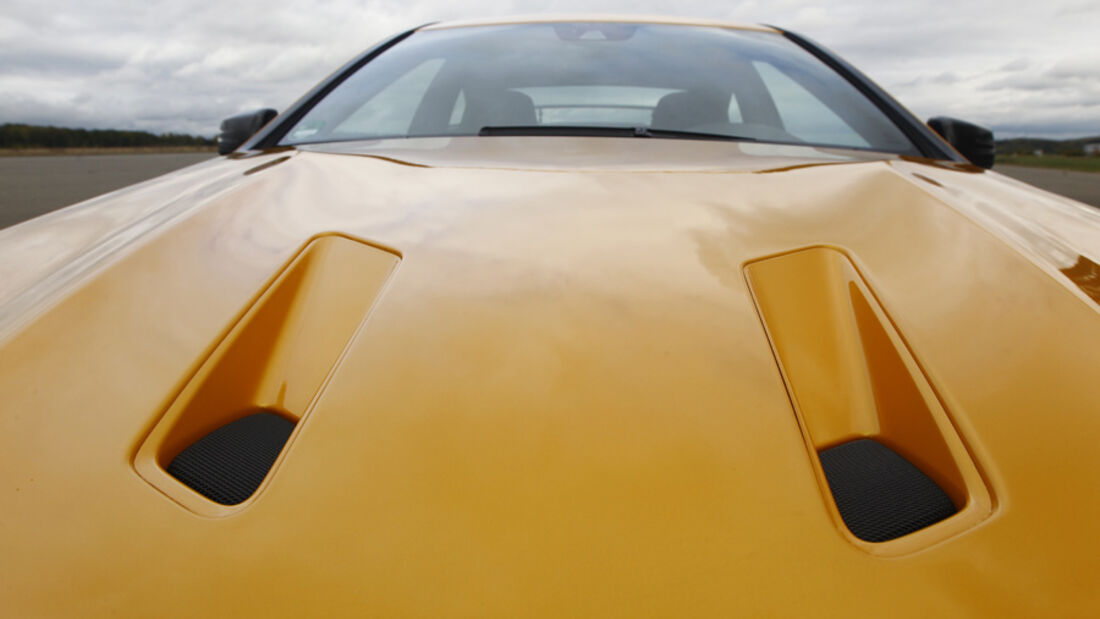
<point x="499" y="108"/>
<point x="686" y="109"/>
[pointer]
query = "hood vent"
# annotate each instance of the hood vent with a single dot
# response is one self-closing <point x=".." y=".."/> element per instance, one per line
<point x="223" y="438"/>
<point x="227" y="465"/>
<point x="880" y="495"/>
<point x="896" y="473"/>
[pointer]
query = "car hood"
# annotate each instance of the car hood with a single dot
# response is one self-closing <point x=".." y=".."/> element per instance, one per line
<point x="562" y="400"/>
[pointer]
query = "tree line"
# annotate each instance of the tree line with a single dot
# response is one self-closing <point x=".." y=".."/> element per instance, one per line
<point x="1027" y="146"/>
<point x="35" y="136"/>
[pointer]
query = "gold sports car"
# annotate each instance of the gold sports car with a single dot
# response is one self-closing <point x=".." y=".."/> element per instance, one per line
<point x="603" y="317"/>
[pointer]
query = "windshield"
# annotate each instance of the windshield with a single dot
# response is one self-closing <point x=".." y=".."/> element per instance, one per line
<point x="555" y="78"/>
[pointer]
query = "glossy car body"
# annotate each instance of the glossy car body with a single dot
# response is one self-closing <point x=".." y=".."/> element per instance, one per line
<point x="570" y="376"/>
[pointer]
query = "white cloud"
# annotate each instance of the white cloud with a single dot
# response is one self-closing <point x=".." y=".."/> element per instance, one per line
<point x="183" y="65"/>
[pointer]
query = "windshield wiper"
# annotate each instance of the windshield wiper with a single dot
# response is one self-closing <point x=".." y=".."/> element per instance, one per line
<point x="606" y="132"/>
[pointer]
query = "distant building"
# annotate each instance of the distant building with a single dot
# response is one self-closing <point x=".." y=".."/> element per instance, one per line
<point x="1092" y="149"/>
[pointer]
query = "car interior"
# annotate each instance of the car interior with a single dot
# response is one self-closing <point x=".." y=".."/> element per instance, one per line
<point x="749" y="86"/>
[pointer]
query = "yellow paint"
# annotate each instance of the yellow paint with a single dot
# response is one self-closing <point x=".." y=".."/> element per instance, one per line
<point x="276" y="358"/>
<point x="563" y="403"/>
<point x="851" y="376"/>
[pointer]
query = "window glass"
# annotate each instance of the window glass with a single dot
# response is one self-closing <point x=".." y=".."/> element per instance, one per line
<point x="387" y="112"/>
<point x="459" y="111"/>
<point x="728" y="82"/>
<point x="734" y="111"/>
<point x="803" y="114"/>
<point x="581" y="105"/>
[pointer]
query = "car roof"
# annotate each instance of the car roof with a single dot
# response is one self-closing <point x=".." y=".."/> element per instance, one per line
<point x="574" y="17"/>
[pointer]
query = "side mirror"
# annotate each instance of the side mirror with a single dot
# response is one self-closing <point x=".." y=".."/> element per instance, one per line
<point x="237" y="129"/>
<point x="973" y="142"/>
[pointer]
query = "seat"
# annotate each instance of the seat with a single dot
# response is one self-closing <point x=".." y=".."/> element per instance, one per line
<point x="499" y="108"/>
<point x="683" y="110"/>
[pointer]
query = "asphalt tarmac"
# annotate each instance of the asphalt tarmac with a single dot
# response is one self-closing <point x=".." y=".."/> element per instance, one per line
<point x="31" y="186"/>
<point x="1081" y="186"/>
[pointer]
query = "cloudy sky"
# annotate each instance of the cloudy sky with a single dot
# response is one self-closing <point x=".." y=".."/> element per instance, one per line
<point x="1020" y="67"/>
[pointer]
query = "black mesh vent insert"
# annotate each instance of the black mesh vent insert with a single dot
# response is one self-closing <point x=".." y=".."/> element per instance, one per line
<point x="228" y="464"/>
<point x="880" y="494"/>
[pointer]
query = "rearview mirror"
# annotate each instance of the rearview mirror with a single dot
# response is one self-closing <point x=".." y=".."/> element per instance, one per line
<point x="236" y="130"/>
<point x="973" y="142"/>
